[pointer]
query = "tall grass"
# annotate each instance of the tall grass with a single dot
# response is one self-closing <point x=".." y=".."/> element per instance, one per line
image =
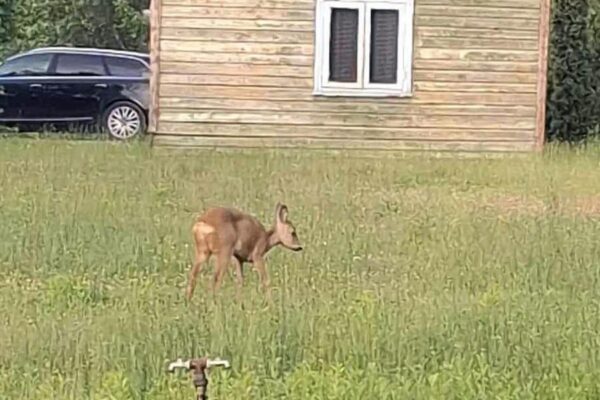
<point x="421" y="278"/>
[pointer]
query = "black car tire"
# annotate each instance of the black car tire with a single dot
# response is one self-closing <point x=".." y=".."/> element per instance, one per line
<point x="124" y="120"/>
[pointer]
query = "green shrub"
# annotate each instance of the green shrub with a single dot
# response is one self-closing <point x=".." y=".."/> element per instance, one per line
<point x="118" y="24"/>
<point x="571" y="79"/>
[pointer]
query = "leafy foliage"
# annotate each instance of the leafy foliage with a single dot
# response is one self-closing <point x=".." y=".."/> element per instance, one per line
<point x="5" y="18"/>
<point x="572" y="79"/>
<point x="118" y="24"/>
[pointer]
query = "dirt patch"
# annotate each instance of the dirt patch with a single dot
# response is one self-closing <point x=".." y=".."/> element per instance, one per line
<point x="512" y="204"/>
<point x="495" y="203"/>
<point x="529" y="205"/>
<point x="588" y="205"/>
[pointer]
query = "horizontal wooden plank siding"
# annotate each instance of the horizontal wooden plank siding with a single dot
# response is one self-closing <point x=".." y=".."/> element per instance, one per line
<point x="240" y="73"/>
<point x="342" y="144"/>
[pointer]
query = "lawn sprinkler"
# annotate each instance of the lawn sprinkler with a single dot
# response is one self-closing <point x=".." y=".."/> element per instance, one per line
<point x="198" y="367"/>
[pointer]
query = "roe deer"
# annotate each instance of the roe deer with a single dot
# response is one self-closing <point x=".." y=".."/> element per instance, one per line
<point x="232" y="235"/>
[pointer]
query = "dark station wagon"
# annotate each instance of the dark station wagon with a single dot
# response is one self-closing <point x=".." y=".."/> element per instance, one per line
<point x="56" y="85"/>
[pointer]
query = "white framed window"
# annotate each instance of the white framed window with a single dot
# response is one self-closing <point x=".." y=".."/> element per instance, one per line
<point x="364" y="48"/>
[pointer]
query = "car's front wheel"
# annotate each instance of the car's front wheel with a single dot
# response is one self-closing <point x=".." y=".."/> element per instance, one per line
<point x="124" y="121"/>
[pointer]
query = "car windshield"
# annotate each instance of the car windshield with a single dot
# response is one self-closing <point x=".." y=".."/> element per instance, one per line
<point x="36" y="64"/>
<point x="23" y="72"/>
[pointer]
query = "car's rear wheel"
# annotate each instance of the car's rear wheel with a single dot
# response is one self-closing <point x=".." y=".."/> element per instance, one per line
<point x="123" y="121"/>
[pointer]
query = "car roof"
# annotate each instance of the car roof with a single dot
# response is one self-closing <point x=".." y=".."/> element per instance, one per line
<point x="84" y="50"/>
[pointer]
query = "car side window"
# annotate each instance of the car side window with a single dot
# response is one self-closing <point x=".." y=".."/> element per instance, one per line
<point x="79" y="65"/>
<point x="32" y="65"/>
<point x="125" y="67"/>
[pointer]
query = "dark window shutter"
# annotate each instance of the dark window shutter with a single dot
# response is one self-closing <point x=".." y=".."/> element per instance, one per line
<point x="384" y="46"/>
<point x="343" y="45"/>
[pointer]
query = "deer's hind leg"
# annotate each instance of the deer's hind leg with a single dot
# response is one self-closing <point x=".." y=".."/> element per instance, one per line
<point x="202" y="233"/>
<point x="223" y="258"/>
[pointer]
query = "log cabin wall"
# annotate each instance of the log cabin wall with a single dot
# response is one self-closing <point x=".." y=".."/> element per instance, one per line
<point x="243" y="73"/>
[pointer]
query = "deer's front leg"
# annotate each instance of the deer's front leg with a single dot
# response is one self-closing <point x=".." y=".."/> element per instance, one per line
<point x="239" y="277"/>
<point x="264" y="277"/>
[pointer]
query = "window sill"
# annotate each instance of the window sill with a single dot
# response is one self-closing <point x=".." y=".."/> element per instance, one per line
<point x="339" y="92"/>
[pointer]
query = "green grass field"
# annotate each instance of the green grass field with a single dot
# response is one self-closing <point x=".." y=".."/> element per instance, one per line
<point x="421" y="278"/>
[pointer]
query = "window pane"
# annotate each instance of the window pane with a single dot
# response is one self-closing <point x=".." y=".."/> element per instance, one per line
<point x="80" y="64"/>
<point x="119" y="66"/>
<point x="343" y="46"/>
<point x="383" y="64"/>
<point x="27" y="65"/>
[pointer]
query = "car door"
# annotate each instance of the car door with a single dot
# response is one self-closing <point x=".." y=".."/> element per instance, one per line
<point x="21" y="86"/>
<point x="130" y="78"/>
<point x="8" y="101"/>
<point x="76" y="87"/>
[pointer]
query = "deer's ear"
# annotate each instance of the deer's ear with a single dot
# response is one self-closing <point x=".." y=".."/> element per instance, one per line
<point x="281" y="212"/>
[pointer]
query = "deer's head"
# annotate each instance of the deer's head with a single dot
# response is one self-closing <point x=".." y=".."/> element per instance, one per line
<point x="285" y="230"/>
